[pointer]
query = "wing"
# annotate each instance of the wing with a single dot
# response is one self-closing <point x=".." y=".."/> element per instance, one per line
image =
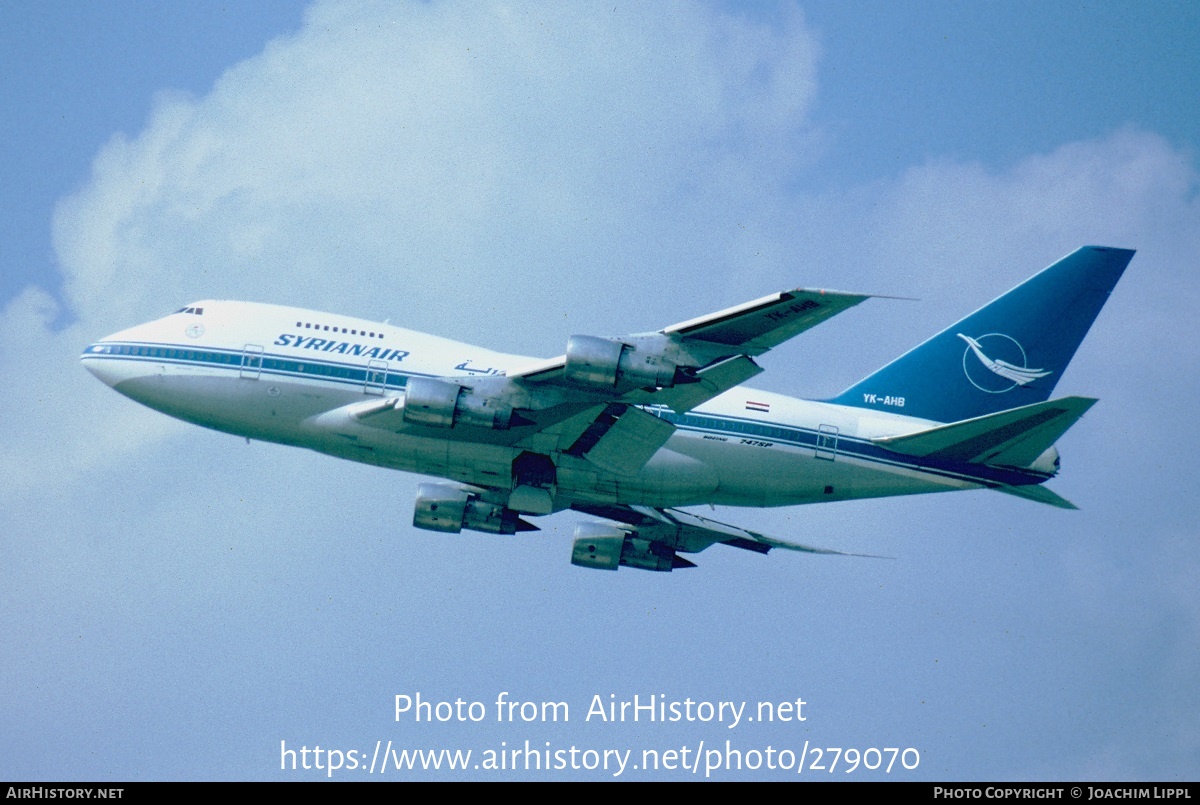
<point x="650" y="538"/>
<point x="681" y="367"/>
<point x="755" y="327"/>
<point x="589" y="402"/>
<point x="749" y="329"/>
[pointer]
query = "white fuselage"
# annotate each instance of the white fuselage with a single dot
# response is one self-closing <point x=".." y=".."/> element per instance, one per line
<point x="281" y="374"/>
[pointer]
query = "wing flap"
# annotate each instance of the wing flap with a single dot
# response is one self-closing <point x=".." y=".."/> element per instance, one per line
<point x="621" y="439"/>
<point x="714" y="379"/>
<point x="1012" y="438"/>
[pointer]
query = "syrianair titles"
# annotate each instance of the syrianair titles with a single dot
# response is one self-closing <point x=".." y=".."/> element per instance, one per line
<point x="631" y="430"/>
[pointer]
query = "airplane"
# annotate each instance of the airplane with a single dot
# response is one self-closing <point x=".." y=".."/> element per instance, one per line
<point x="632" y="429"/>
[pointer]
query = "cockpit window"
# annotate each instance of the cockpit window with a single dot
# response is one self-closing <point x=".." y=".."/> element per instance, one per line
<point x="198" y="311"/>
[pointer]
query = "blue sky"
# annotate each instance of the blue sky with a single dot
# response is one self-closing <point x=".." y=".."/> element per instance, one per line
<point x="177" y="602"/>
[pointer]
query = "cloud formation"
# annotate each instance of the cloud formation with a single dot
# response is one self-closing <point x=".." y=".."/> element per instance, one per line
<point x="437" y="150"/>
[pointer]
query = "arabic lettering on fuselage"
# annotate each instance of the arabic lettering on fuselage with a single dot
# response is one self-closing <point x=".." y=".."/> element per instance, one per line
<point x="340" y="347"/>
<point x="463" y="367"/>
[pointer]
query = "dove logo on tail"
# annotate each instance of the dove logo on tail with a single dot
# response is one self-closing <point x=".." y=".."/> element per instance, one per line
<point x="1018" y="375"/>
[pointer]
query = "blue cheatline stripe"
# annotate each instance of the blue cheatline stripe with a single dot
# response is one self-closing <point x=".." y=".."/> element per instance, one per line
<point x="356" y="376"/>
<point x="234" y="360"/>
<point x="850" y="446"/>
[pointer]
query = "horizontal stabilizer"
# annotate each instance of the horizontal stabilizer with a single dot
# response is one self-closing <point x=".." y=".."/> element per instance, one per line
<point x="1013" y="438"/>
<point x="1039" y="494"/>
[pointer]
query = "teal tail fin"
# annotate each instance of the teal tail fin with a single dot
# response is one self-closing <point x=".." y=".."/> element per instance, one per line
<point x="1008" y="354"/>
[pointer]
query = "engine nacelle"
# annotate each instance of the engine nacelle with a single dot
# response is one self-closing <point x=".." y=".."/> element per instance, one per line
<point x="450" y="509"/>
<point x="605" y="363"/>
<point x="606" y="547"/>
<point x="442" y="404"/>
<point x="598" y="546"/>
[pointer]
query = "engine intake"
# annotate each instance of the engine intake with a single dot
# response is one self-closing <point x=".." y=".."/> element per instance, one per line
<point x="442" y="404"/>
<point x="602" y="362"/>
<point x="607" y="547"/>
<point x="450" y="509"/>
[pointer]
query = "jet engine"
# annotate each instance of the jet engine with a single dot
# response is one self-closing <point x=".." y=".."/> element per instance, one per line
<point x="442" y="404"/>
<point x="604" y="363"/>
<point x="606" y="547"/>
<point x="449" y="508"/>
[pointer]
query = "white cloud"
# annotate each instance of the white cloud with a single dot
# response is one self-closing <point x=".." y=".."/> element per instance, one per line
<point x="56" y="426"/>
<point x="393" y="158"/>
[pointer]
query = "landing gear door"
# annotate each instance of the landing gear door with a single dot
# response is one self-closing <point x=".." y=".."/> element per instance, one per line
<point x="376" y="379"/>
<point x="252" y="360"/>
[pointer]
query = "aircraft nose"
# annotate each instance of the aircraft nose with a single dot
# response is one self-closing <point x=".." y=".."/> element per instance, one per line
<point x="100" y="359"/>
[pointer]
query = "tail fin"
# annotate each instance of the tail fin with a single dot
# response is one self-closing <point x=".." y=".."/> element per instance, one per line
<point x="1009" y="353"/>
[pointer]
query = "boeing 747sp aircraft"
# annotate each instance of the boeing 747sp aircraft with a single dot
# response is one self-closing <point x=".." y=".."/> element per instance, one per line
<point x="630" y="429"/>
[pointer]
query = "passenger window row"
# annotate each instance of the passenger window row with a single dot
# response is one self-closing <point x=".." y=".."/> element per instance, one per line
<point x="335" y="329"/>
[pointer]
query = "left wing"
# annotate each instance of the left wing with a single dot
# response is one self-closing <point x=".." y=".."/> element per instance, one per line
<point x="748" y="329"/>
<point x="586" y="402"/>
<point x="649" y="538"/>
<point x="754" y="327"/>
<point x="681" y="366"/>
